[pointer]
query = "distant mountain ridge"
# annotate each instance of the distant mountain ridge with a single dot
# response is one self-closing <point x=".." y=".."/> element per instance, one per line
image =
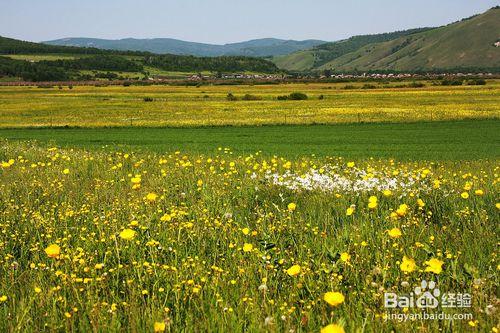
<point x="467" y="44"/>
<point x="253" y="48"/>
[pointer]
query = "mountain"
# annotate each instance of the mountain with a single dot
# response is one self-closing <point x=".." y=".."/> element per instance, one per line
<point x="467" y="44"/>
<point x="253" y="48"/>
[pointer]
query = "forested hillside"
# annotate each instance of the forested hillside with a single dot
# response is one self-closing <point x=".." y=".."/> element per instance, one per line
<point x="59" y="63"/>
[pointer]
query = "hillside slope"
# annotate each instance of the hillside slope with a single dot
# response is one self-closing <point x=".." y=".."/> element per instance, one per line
<point x="469" y="43"/>
<point x="255" y="48"/>
<point x="323" y="53"/>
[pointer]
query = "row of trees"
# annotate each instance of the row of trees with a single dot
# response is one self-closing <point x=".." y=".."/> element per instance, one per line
<point x="32" y="71"/>
<point x="101" y="62"/>
<point x="170" y="62"/>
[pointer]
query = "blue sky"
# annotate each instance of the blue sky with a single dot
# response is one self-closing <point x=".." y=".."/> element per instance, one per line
<point x="222" y="21"/>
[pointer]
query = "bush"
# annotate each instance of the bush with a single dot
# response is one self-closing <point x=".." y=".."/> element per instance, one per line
<point x="416" y="85"/>
<point x="452" y="82"/>
<point x="349" y="86"/>
<point x="231" y="97"/>
<point x="297" y="96"/>
<point x="321" y="97"/>
<point x="476" y="82"/>
<point x="249" y="97"/>
<point x="148" y="99"/>
<point x="368" y="86"/>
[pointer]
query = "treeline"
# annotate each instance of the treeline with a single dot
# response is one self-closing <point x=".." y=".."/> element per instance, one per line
<point x="183" y="63"/>
<point x="32" y="71"/>
<point x="14" y="46"/>
<point x="61" y="70"/>
<point x="102" y="62"/>
<point x="69" y="69"/>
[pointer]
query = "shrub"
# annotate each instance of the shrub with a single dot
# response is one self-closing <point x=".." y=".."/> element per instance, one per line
<point x="297" y="96"/>
<point x="451" y="82"/>
<point x="416" y="85"/>
<point x="249" y="97"/>
<point x="321" y="97"/>
<point x="148" y="99"/>
<point x="368" y="86"/>
<point x="476" y="82"/>
<point x="231" y="97"/>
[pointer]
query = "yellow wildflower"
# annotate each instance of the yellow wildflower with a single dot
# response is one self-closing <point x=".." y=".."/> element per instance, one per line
<point x="434" y="265"/>
<point x="159" y="326"/>
<point x="394" y="233"/>
<point x="334" y="298"/>
<point x="345" y="257"/>
<point x="407" y="265"/>
<point x="53" y="251"/>
<point x="127" y="234"/>
<point x="247" y="247"/>
<point x="294" y="270"/>
<point x="333" y="328"/>
<point x="151" y="197"/>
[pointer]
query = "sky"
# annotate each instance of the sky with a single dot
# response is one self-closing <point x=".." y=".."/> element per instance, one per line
<point x="225" y="21"/>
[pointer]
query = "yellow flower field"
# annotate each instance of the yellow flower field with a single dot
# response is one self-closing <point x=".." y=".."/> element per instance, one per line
<point x="183" y="106"/>
<point x="121" y="241"/>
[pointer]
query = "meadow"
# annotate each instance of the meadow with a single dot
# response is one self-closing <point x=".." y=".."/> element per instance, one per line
<point x="181" y="106"/>
<point x="120" y="241"/>
<point x="299" y="218"/>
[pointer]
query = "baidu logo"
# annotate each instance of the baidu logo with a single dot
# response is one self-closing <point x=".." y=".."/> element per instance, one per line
<point x="427" y="296"/>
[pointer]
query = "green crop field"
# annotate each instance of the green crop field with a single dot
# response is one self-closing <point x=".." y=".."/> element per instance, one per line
<point x="467" y="140"/>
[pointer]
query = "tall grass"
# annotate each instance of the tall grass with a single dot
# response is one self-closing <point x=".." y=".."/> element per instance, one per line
<point x="211" y="239"/>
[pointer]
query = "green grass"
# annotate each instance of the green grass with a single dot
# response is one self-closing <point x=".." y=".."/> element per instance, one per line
<point x="456" y="140"/>
<point x="41" y="57"/>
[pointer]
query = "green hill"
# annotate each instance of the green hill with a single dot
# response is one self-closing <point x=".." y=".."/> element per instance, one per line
<point x="60" y="63"/>
<point x="322" y="54"/>
<point x="468" y="44"/>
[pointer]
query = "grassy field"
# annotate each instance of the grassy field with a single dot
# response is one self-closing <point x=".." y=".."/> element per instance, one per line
<point x="207" y="105"/>
<point x="466" y="140"/>
<point x="40" y="57"/>
<point x="275" y="225"/>
<point x="118" y="241"/>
